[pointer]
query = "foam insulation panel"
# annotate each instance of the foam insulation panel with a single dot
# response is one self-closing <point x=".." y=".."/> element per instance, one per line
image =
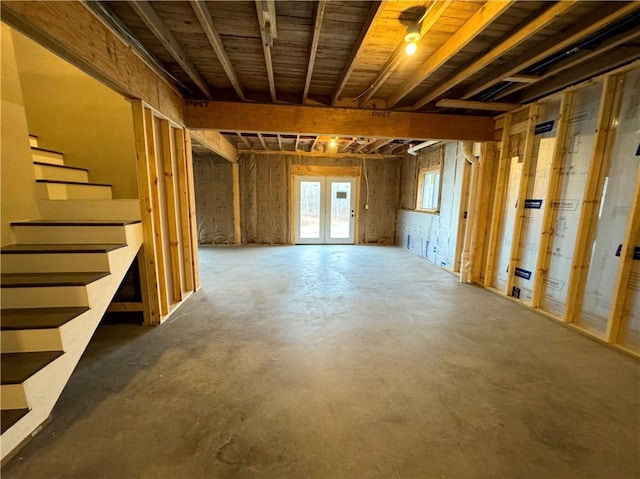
<point x="213" y="185"/>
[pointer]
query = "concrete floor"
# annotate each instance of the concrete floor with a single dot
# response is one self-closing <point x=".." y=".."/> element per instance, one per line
<point x="341" y="362"/>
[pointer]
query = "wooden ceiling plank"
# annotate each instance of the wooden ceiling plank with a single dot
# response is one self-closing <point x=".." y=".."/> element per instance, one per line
<point x="431" y="16"/>
<point x="473" y="27"/>
<point x="217" y="143"/>
<point x="317" y="26"/>
<point x="266" y="46"/>
<point x="580" y="30"/>
<point x="477" y="105"/>
<point x="298" y="119"/>
<point x="264" y="143"/>
<point x="210" y="30"/>
<point x="149" y="16"/>
<point x="361" y="41"/>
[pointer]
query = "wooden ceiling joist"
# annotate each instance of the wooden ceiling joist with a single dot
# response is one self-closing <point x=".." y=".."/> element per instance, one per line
<point x="313" y="143"/>
<point x="608" y="14"/>
<point x="293" y="119"/>
<point x="244" y="140"/>
<point x="153" y="21"/>
<point x="477" y="105"/>
<point x="264" y="143"/>
<point x="295" y="145"/>
<point x="267" y="33"/>
<point x="431" y="16"/>
<point x="204" y="17"/>
<point x="374" y="12"/>
<point x="280" y="142"/>
<point x="472" y="28"/>
<point x="377" y="144"/>
<point x="313" y="49"/>
<point x="525" y="79"/>
<point x="348" y="145"/>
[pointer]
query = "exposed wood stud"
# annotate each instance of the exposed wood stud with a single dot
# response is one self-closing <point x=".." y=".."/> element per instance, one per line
<point x="149" y="16"/>
<point x="183" y="202"/>
<point x="549" y="213"/>
<point x="482" y="205"/>
<point x="477" y="105"/>
<point x="264" y="144"/>
<point x="237" y="233"/>
<point x="317" y="26"/>
<point x="374" y="12"/>
<point x="472" y="28"/>
<point x="523" y="187"/>
<point x="192" y="211"/>
<point x="204" y="16"/>
<point x="498" y="201"/>
<point x="598" y="167"/>
<point x="266" y="46"/>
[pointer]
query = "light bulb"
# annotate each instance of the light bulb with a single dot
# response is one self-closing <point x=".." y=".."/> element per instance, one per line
<point x="411" y="48"/>
<point x="332" y="143"/>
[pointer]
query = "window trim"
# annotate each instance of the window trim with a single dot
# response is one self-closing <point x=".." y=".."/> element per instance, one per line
<point x="421" y="177"/>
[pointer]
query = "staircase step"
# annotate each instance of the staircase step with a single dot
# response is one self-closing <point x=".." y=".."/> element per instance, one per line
<point x="44" y="280"/>
<point x="71" y="231"/>
<point x="47" y="156"/>
<point x="119" y="209"/>
<point x="47" y="171"/>
<point x="33" y="141"/>
<point x="18" y="367"/>
<point x="51" y="258"/>
<point x="60" y="248"/>
<point x="8" y="417"/>
<point x="72" y="190"/>
<point x="38" y="318"/>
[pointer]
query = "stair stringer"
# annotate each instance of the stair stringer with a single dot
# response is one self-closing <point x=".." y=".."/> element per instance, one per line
<point x="43" y="389"/>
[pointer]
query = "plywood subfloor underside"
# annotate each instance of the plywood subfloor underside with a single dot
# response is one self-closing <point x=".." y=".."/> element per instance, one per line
<point x="341" y="362"/>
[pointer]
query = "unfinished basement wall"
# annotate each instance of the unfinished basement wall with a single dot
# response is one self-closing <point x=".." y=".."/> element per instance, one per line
<point x="434" y="236"/>
<point x="72" y="113"/>
<point x="213" y="181"/>
<point x="265" y="196"/>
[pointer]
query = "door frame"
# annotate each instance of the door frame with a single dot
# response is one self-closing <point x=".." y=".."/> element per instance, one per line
<point x="354" y="172"/>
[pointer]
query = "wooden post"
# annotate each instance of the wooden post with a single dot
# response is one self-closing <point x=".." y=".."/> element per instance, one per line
<point x="237" y="233"/>
<point x="503" y="169"/>
<point x="147" y="254"/>
<point x="598" y="167"/>
<point x="485" y="173"/>
<point x="193" y="224"/>
<point x="631" y="237"/>
<point x="523" y="187"/>
<point x="169" y="159"/>
<point x="183" y="201"/>
<point x="549" y="214"/>
<point x="463" y="219"/>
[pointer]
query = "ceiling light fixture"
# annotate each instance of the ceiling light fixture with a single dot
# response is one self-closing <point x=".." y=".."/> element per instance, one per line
<point x="333" y="141"/>
<point x="412" y="37"/>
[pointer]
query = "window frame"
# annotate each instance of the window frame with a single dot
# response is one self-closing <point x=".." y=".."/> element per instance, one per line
<point x="422" y="174"/>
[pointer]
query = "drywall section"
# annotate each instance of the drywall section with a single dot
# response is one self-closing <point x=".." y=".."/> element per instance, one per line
<point x="429" y="235"/>
<point x="16" y="170"/>
<point x="265" y="196"/>
<point x="213" y="181"/>
<point x="71" y="112"/>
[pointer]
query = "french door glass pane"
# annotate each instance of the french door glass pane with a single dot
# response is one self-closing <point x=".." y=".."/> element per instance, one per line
<point x="310" y="209"/>
<point x="340" y="210"/>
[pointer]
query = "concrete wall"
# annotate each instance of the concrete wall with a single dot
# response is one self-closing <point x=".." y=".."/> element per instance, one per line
<point x="75" y="114"/>
<point x="16" y="170"/>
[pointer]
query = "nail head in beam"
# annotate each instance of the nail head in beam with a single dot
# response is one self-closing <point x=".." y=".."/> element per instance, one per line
<point x="204" y="16"/>
<point x="149" y="16"/>
<point x="477" y="105"/>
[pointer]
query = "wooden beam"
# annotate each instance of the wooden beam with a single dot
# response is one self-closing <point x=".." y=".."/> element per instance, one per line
<point x="192" y="211"/>
<point x="295" y="146"/>
<point x="235" y="172"/>
<point x="477" y="105"/>
<point x="496" y="52"/>
<point x="280" y="142"/>
<point x="374" y="12"/>
<point x="149" y="16"/>
<point x="346" y="147"/>
<point x="216" y="143"/>
<point x="210" y="30"/>
<point x="264" y="144"/>
<point x="482" y="209"/>
<point x="71" y="31"/>
<point x="498" y="201"/>
<point x="244" y="140"/>
<point x="376" y="145"/>
<point x="402" y="145"/>
<point x="183" y="202"/>
<point x="290" y="119"/>
<point x="523" y="188"/>
<point x="320" y="154"/>
<point x="549" y="213"/>
<point x="313" y="144"/>
<point x="317" y="25"/>
<point x="430" y="17"/>
<point x="609" y="110"/>
<point x="266" y="47"/>
<point x="607" y="14"/>
<point x="522" y="78"/>
<point x="472" y="28"/>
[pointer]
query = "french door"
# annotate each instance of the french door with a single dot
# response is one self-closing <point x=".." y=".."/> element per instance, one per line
<point x="325" y="210"/>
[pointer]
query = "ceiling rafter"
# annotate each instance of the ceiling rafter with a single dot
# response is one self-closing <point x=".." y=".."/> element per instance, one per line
<point x="472" y="28"/>
<point x="608" y="14"/>
<point x="313" y="49"/>
<point x="268" y="32"/>
<point x="430" y="17"/>
<point x="204" y="16"/>
<point x="374" y="12"/>
<point x="149" y="16"/>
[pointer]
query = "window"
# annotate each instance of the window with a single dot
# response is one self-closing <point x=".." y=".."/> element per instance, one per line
<point x="429" y="189"/>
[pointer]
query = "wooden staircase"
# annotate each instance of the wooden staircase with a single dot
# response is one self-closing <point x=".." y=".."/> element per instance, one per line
<point x="56" y="284"/>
